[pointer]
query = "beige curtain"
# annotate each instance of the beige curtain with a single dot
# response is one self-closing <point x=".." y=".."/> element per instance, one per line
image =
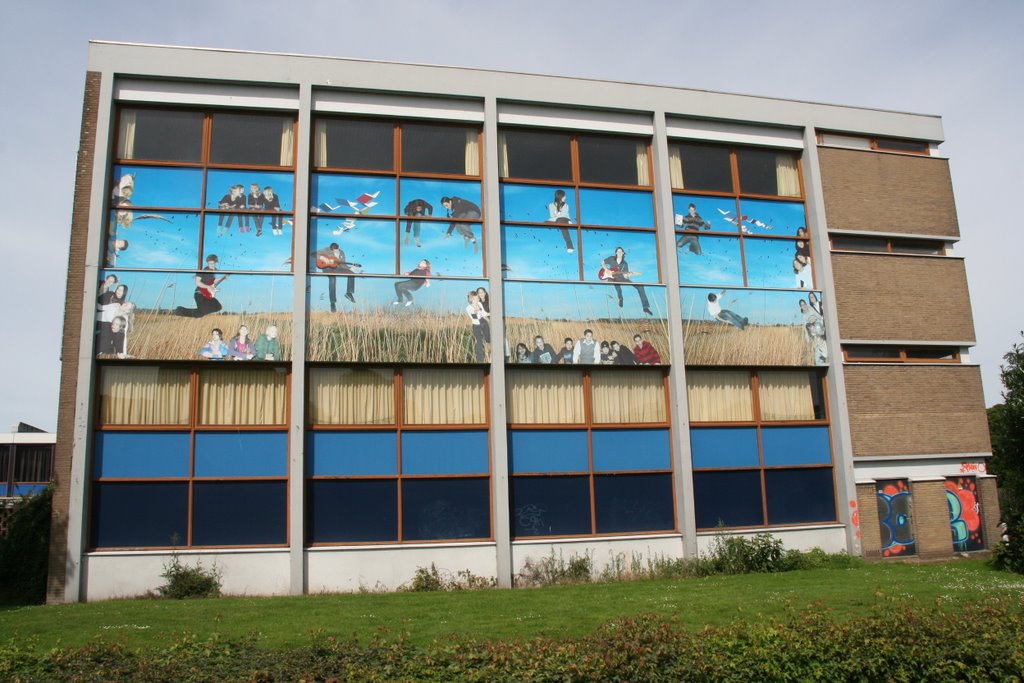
<point x="126" y="136"/>
<point x="643" y="168"/>
<point x="675" y="167"/>
<point x="502" y="155"/>
<point x="628" y="397"/>
<point x="786" y="175"/>
<point x="544" y="397"/>
<point x="785" y="395"/>
<point x="351" y="396"/>
<point x="287" y="142"/>
<point x="143" y="396"/>
<point x="719" y="395"/>
<point x="242" y="396"/>
<point x="320" y="144"/>
<point x="472" y="152"/>
<point x="443" y="396"/>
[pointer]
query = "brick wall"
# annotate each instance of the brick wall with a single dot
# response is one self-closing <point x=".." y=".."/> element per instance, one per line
<point x="870" y="535"/>
<point x="931" y="519"/>
<point x="71" y="339"/>
<point x="988" y="497"/>
<point x="882" y="296"/>
<point x="883" y="192"/>
<point x="906" y="409"/>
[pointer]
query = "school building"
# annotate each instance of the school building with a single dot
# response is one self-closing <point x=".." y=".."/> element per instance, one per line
<point x="331" y="320"/>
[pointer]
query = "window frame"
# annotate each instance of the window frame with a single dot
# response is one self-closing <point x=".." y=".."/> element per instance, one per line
<point x="891" y="246"/>
<point x="903" y="354"/>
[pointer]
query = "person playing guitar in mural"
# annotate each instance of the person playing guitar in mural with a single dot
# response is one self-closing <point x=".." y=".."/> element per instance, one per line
<point x="332" y="261"/>
<point x="206" y="291"/>
<point x="616" y="269"/>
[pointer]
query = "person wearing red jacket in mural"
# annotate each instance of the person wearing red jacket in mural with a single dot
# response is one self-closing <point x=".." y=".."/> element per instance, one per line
<point x="644" y="352"/>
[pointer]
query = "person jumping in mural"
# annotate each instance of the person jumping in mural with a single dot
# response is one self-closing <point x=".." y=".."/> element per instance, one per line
<point x="420" y="277"/>
<point x="565" y="353"/>
<point x="481" y="330"/>
<point x="215" y="349"/>
<point x="232" y="200"/>
<point x="254" y="202"/>
<point x="644" y="352"/>
<point x="691" y="223"/>
<point x="542" y="351"/>
<point x="458" y="207"/>
<point x="724" y="315"/>
<point x="206" y="291"/>
<point x="332" y="261"/>
<point x="271" y="202"/>
<point x="267" y="346"/>
<point x="814" y="333"/>
<point x="616" y="269"/>
<point x="586" y="351"/>
<point x="558" y="212"/>
<point x="414" y="210"/>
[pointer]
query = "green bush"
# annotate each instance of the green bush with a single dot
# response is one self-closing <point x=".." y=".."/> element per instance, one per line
<point x="25" y="552"/>
<point x="552" y="570"/>
<point x="427" y="580"/>
<point x="1008" y="554"/>
<point x="185" y="582"/>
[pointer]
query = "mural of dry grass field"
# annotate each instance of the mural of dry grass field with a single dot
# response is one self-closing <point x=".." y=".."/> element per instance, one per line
<point x="555" y="331"/>
<point x="716" y="343"/>
<point x="390" y="336"/>
<point x="170" y="337"/>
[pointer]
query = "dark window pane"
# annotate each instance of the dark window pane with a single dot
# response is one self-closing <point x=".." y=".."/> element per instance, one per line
<point x="729" y="498"/>
<point x="851" y="243"/>
<point x="439" y="149"/>
<point x="610" y="160"/>
<point x="902" y="145"/>
<point x="445" y="508"/>
<point x="879" y="352"/>
<point x="161" y="135"/>
<point x="550" y="506"/>
<point x="940" y="353"/>
<point x="817" y="395"/>
<point x="239" y="513"/>
<point x="538" y="154"/>
<point x="32" y="463"/>
<point x="800" y="496"/>
<point x="6" y="453"/>
<point x="352" y="511"/>
<point x="633" y="502"/>
<point x="706" y="168"/>
<point x="758" y="174"/>
<point x="367" y="145"/>
<point x="919" y="247"/>
<point x="139" y="515"/>
<point x="249" y="139"/>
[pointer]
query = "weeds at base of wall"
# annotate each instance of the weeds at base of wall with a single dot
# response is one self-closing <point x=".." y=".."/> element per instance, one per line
<point x="188" y="582"/>
<point x="428" y="580"/>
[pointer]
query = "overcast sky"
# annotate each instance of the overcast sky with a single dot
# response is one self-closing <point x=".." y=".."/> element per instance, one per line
<point x="962" y="61"/>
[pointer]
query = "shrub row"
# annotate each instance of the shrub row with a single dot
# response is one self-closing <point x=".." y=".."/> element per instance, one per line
<point x="897" y="643"/>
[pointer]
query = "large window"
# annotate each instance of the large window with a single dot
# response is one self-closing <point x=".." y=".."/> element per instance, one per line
<point x="25" y="468"/>
<point x="761" y="448"/>
<point x="397" y="455"/>
<point x="190" y="457"/>
<point x="589" y="452"/>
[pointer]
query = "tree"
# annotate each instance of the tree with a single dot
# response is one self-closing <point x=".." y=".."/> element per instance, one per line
<point x="1006" y="425"/>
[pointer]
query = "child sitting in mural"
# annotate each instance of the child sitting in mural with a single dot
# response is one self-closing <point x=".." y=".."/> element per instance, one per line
<point x="724" y="315"/>
<point x="113" y="340"/>
<point x="586" y="351"/>
<point x="272" y="203"/>
<point x="522" y="353"/>
<point x="558" y="212"/>
<point x="565" y="354"/>
<point x="215" y="349"/>
<point x="621" y="355"/>
<point x="415" y="209"/>
<point x="542" y="351"/>
<point x="241" y="346"/>
<point x="481" y="330"/>
<point x="267" y="345"/>
<point x="644" y="351"/>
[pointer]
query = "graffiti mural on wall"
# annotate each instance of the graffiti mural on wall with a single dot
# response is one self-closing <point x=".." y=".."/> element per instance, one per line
<point x="894" y="520"/>
<point x="964" y="513"/>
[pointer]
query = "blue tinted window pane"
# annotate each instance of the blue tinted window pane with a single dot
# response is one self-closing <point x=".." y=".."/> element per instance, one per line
<point x="777" y="263"/>
<point x="715" y="214"/>
<point x="537" y="253"/>
<point x="445" y="453"/>
<point x="352" y="453"/>
<point x="550" y="506"/>
<point x="352" y="511"/>
<point x="139" y="515"/>
<point x="631" y="449"/>
<point x="641" y="255"/>
<point x="433" y="191"/>
<point x="548" y="451"/>
<point x="27" y="489"/>
<point x="367" y="246"/>
<point x="136" y="186"/>
<point x="143" y="455"/>
<point x="796" y="446"/>
<point x="709" y="260"/>
<point x="233" y="237"/>
<point x="168" y="240"/>
<point x="353" y="195"/>
<point x="616" y="207"/>
<point x="445" y="508"/>
<point x="724" y="447"/>
<point x="766" y="217"/>
<point x="241" y="454"/>
<point x="732" y="498"/>
<point x="239" y="513"/>
<point x="633" y="502"/>
<point x="537" y="203"/>
<point x="219" y="194"/>
<point x="800" y="496"/>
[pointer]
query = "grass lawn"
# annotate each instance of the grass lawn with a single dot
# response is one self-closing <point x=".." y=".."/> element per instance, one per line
<point x="283" y="622"/>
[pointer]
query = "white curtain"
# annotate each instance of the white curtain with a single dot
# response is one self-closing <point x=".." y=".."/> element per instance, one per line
<point x="785" y="395"/>
<point x="544" y="397"/>
<point x="502" y="155"/>
<point x="351" y="396"/>
<point x="443" y="396"/>
<point x="675" y="167"/>
<point x="287" y="142"/>
<point x="126" y="135"/>
<point x="472" y="152"/>
<point x="643" y="168"/>
<point x="242" y="396"/>
<point x="786" y="175"/>
<point x="143" y="396"/>
<point x="628" y="397"/>
<point x="719" y="395"/>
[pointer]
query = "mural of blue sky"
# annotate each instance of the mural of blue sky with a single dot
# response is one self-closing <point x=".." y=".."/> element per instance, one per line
<point x="369" y="195"/>
<point x="770" y="264"/>
<point x="766" y="217"/>
<point x="243" y="250"/>
<point x="219" y="182"/>
<point x="163" y="187"/>
<point x="529" y="203"/>
<point x="580" y="302"/>
<point x="718" y="263"/>
<point x="238" y="293"/>
<point x="167" y="240"/>
<point x="375" y="293"/>
<point x="539" y="253"/>
<point x="626" y="208"/>
<point x="432" y="191"/>
<point x="761" y="306"/>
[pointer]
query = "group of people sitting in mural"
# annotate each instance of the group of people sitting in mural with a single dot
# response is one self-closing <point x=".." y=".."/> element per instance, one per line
<point x="115" y="315"/>
<point x="238" y="203"/>
<point x="587" y="351"/>
<point x="241" y="346"/>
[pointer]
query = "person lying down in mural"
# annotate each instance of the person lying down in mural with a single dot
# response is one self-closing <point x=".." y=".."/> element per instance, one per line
<point x="725" y="315"/>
